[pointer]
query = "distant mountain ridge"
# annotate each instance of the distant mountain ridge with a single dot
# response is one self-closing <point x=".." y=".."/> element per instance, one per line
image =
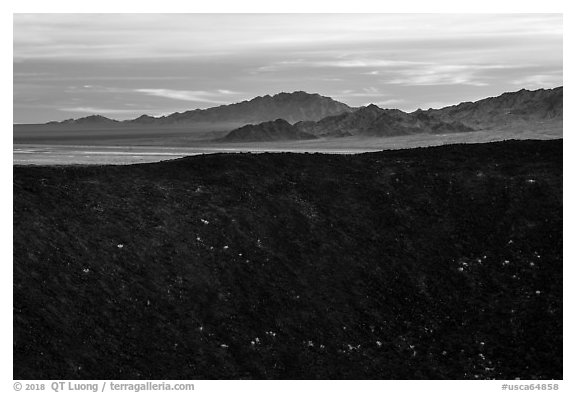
<point x="374" y="121"/>
<point x="292" y="107"/>
<point x="300" y="115"/>
<point x="344" y="124"/>
<point x="507" y="110"/>
<point x="92" y="119"/>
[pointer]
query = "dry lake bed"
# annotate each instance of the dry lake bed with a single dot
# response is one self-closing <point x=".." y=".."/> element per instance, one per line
<point x="145" y="151"/>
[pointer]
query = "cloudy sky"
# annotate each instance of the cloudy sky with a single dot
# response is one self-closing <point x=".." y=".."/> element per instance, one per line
<point x="124" y="65"/>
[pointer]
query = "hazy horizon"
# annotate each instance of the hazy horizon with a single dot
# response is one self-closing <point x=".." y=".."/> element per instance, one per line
<point x="124" y="65"/>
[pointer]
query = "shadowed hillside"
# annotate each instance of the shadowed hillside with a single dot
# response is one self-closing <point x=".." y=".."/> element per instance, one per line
<point x="430" y="263"/>
<point x="278" y="130"/>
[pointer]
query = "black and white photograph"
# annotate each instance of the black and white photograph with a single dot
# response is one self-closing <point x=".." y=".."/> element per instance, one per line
<point x="287" y="196"/>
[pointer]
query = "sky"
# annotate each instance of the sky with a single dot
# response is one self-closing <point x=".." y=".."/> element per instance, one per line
<point x="124" y="65"/>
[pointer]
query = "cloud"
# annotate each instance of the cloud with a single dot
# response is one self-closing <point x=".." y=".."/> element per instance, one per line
<point x="384" y="103"/>
<point x="437" y="79"/>
<point x="228" y="92"/>
<point x="539" y="80"/>
<point x="189" y="95"/>
<point x="94" y="110"/>
<point x="183" y="95"/>
<point x="154" y="36"/>
<point x="432" y="70"/>
<point x="364" y="92"/>
<point x="190" y="61"/>
<point x="339" y="63"/>
<point x="447" y="74"/>
<point x="368" y="63"/>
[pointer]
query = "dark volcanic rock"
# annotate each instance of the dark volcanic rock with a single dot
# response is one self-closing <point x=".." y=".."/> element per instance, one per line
<point x="436" y="263"/>
<point x="278" y="130"/>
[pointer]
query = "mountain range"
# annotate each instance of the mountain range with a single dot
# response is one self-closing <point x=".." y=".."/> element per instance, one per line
<point x="374" y="121"/>
<point x="300" y="115"/>
<point x="292" y="107"/>
<point x="522" y="106"/>
<point x="507" y="110"/>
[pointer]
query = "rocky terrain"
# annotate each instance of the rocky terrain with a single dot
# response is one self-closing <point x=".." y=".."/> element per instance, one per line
<point x="432" y="263"/>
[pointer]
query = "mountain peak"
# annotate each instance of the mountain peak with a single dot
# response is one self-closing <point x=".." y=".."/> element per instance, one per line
<point x="145" y="117"/>
<point x="292" y="107"/>
<point x="371" y="108"/>
<point x="280" y="122"/>
<point x="296" y="93"/>
<point x="88" y="120"/>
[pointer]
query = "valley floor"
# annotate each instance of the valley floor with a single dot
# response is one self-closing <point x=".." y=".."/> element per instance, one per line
<point x="138" y="150"/>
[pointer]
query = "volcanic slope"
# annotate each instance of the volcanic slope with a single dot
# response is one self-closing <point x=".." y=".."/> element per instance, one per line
<point x="435" y="263"/>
